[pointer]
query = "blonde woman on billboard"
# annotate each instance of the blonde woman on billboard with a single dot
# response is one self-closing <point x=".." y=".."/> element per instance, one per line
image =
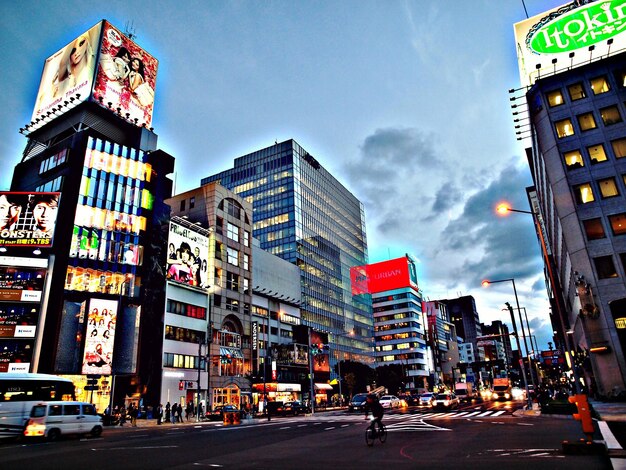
<point x="76" y="65"/>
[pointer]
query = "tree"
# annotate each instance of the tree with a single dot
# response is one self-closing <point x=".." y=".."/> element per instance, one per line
<point x="364" y="375"/>
<point x="349" y="381"/>
<point x="390" y="377"/>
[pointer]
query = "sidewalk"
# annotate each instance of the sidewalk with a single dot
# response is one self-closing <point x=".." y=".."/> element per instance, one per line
<point x="612" y="425"/>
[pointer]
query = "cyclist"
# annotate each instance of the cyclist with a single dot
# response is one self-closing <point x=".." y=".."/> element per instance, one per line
<point x="372" y="405"/>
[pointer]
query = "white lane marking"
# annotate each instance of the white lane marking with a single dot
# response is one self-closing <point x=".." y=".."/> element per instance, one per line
<point x="608" y="436"/>
<point x="498" y="413"/>
<point x="285" y="427"/>
<point x="345" y="425"/>
<point x="486" y="413"/>
<point x="137" y="448"/>
<point x="328" y="429"/>
<point x="473" y="414"/>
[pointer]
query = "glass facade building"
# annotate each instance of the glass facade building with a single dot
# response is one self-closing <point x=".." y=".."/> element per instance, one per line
<point x="302" y="214"/>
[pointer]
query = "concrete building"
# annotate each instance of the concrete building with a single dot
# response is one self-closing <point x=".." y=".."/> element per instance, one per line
<point x="572" y="98"/>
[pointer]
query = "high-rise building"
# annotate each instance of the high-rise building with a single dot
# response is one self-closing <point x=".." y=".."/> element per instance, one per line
<point x="304" y="215"/>
<point x="464" y="316"/>
<point x="572" y="103"/>
<point x="91" y="160"/>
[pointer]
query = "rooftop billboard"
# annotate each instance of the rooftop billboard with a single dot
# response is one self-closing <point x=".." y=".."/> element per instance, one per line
<point x="380" y="277"/>
<point x="187" y="256"/>
<point x="102" y="65"/>
<point x="28" y="219"/>
<point x="569" y="36"/>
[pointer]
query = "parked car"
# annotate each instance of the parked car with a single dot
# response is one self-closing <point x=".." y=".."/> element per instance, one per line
<point x="358" y="402"/>
<point x="217" y="413"/>
<point x="427" y="399"/>
<point x="446" y="400"/>
<point x="390" y="401"/>
<point x="54" y="419"/>
<point x="294" y="408"/>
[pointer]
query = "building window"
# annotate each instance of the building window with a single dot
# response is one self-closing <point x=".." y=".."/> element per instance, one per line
<point x="597" y="153"/>
<point x="555" y="98"/>
<point x="600" y="85"/>
<point x="564" y="128"/>
<point x="622" y="257"/>
<point x="246" y="262"/>
<point x="594" y="229"/>
<point x="586" y="121"/>
<point x="618" y="223"/>
<point x="192" y="202"/>
<point x="232" y="231"/>
<point x="576" y="91"/>
<point x="610" y="115"/>
<point x="246" y="238"/>
<point x="583" y="193"/>
<point x="608" y="188"/>
<point x="232" y="256"/>
<point x="232" y="305"/>
<point x="232" y="281"/>
<point x="573" y="159"/>
<point x="619" y="148"/>
<point x="182" y="205"/>
<point x="605" y="267"/>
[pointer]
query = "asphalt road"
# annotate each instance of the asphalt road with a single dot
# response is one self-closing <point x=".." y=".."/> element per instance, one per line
<point x="473" y="437"/>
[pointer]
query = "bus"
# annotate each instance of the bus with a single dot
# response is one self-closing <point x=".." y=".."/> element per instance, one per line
<point x="20" y="391"/>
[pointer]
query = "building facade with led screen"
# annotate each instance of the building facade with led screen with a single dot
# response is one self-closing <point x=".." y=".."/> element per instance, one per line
<point x="573" y="75"/>
<point x="102" y="297"/>
<point x="307" y="217"/>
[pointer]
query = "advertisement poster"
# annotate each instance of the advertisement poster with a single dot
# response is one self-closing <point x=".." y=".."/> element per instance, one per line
<point x="380" y="277"/>
<point x="67" y="74"/>
<point x="28" y="219"/>
<point x="99" y="337"/>
<point x="18" y="320"/>
<point x="187" y="256"/>
<point x="320" y="360"/>
<point x="126" y="77"/>
<point x="16" y="355"/>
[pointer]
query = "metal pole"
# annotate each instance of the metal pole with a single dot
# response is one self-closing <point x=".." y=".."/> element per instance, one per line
<point x="198" y="391"/>
<point x="519" y="348"/>
<point x="519" y="311"/>
<point x="312" y="391"/>
<point x="339" y="371"/>
<point x="209" y="342"/>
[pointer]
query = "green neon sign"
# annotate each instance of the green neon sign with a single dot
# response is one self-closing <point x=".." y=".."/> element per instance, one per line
<point x="580" y="28"/>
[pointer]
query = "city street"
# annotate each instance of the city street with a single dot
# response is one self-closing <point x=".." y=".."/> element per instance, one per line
<point x="473" y="437"/>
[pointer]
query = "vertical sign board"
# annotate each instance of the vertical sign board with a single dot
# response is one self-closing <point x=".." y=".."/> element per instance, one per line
<point x="21" y="288"/>
<point x="100" y="336"/>
<point x="569" y="36"/>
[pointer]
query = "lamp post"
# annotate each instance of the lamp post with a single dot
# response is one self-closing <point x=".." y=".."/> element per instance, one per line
<point x="519" y="311"/>
<point x="504" y="209"/>
<point x="312" y="384"/>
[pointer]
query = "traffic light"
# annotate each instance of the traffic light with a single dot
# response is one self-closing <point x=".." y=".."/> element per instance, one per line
<point x="181" y="385"/>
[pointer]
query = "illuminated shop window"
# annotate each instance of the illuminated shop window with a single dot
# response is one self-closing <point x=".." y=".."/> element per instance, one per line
<point x="576" y="91"/>
<point x="564" y="128"/>
<point x="608" y="188"/>
<point x="605" y="267"/>
<point x="600" y="85"/>
<point x="619" y="148"/>
<point x="586" y="121"/>
<point x="555" y="98"/>
<point x="573" y="159"/>
<point x="105" y="282"/>
<point x="618" y="223"/>
<point x="594" y="229"/>
<point x="610" y="115"/>
<point x="597" y="153"/>
<point x="583" y="193"/>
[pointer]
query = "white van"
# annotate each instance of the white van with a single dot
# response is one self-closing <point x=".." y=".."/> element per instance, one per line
<point x="53" y="419"/>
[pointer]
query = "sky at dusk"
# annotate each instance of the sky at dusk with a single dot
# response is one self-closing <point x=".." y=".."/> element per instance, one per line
<point x="405" y="102"/>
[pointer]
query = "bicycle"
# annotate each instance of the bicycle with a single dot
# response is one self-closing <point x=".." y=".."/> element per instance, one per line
<point x="371" y="433"/>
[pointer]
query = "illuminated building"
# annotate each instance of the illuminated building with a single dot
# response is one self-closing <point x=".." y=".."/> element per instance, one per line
<point x="572" y="103"/>
<point x="302" y="214"/>
<point x="103" y="293"/>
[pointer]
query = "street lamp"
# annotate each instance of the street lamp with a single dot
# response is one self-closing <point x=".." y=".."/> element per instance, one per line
<point x="486" y="283"/>
<point x="504" y="209"/>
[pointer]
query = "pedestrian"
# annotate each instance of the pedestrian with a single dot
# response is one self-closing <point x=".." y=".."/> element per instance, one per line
<point x="173" y="414"/>
<point x="179" y="413"/>
<point x="188" y="410"/>
<point x="200" y="410"/>
<point x="134" y="412"/>
<point x="167" y="412"/>
<point x="122" y="415"/>
<point x="159" y="414"/>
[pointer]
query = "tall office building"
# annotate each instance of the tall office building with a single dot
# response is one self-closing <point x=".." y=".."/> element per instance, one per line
<point x="464" y="316"/>
<point x="573" y="77"/>
<point x="304" y="215"/>
<point x="91" y="162"/>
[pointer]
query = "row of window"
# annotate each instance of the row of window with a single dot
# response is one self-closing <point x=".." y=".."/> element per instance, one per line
<point x="577" y="91"/>
<point x="587" y="121"/>
<point x="52" y="162"/>
<point x="186" y="310"/>
<point x="606" y="188"/>
<point x="594" y="228"/>
<point x="182" y="361"/>
<point x="596" y="153"/>
<point x="176" y="333"/>
<point x="53" y="185"/>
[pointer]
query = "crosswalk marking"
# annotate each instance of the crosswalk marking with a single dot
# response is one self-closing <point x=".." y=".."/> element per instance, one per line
<point x="472" y="414"/>
<point x="498" y="413"/>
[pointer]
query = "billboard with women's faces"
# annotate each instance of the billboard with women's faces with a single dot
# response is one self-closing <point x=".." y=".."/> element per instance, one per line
<point x="99" y="337"/>
<point x="187" y="256"/>
<point x="126" y="77"/>
<point x="68" y="73"/>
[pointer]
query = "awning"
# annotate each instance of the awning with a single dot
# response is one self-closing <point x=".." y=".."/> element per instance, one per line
<point x="232" y="352"/>
<point x="323" y="387"/>
<point x="288" y="388"/>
